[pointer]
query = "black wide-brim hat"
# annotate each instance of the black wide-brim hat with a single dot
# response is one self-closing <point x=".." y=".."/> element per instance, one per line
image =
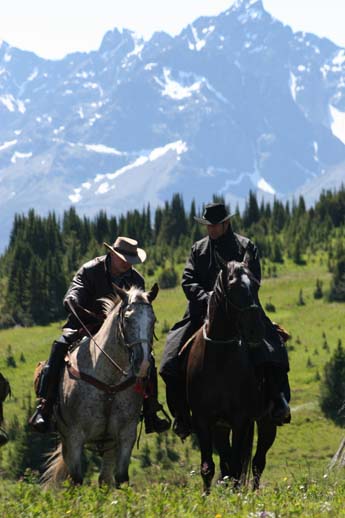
<point x="214" y="213"/>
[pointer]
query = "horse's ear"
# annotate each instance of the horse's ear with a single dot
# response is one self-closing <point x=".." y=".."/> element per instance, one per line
<point x="152" y="294"/>
<point x="120" y="292"/>
<point x="248" y="257"/>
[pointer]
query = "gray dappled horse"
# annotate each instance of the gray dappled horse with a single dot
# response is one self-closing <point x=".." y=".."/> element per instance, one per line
<point x="97" y="402"/>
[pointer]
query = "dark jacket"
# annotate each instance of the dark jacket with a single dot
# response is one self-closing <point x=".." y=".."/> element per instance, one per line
<point x="203" y="266"/>
<point x="91" y="282"/>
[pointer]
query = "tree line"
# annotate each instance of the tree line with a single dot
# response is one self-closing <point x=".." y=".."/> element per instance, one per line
<point x="45" y="251"/>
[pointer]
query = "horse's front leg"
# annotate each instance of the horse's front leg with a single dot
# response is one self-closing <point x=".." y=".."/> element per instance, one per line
<point x="106" y="476"/>
<point x="204" y="434"/>
<point x="267" y="431"/>
<point x="72" y="447"/>
<point x="125" y="443"/>
<point x="222" y="445"/>
<point x="241" y="452"/>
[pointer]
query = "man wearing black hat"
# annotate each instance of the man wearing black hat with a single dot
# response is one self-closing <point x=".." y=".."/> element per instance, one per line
<point x="198" y="279"/>
<point x="93" y="281"/>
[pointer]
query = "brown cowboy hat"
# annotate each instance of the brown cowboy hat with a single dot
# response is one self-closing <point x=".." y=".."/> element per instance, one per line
<point x="214" y="213"/>
<point x="127" y="249"/>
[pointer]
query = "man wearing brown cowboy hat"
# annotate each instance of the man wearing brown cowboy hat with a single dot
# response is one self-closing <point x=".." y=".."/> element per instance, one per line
<point x="198" y="279"/>
<point x="92" y="282"/>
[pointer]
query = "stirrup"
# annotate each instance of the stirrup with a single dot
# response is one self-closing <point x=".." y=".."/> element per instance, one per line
<point x="154" y="424"/>
<point x="40" y="421"/>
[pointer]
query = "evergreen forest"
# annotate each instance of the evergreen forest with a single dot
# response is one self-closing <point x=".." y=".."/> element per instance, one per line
<point x="44" y="252"/>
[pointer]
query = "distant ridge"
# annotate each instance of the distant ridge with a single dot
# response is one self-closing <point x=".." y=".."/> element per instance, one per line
<point x="234" y="102"/>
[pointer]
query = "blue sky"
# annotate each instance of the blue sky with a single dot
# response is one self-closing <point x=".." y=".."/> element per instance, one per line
<point x="54" y="28"/>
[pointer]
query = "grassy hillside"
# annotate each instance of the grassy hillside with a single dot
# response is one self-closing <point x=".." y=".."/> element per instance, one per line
<point x="293" y="483"/>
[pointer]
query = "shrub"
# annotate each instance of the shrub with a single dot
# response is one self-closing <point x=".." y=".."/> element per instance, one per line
<point x="168" y="278"/>
<point x="300" y="301"/>
<point x="332" y="387"/>
<point x="337" y="291"/>
<point x="318" y="293"/>
<point x="269" y="306"/>
<point x="10" y="360"/>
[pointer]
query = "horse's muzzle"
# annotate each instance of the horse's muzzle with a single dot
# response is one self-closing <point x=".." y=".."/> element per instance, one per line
<point x="141" y="359"/>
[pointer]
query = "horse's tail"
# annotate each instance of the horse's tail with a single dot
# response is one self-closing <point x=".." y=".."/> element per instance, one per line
<point x="56" y="469"/>
<point x="247" y="454"/>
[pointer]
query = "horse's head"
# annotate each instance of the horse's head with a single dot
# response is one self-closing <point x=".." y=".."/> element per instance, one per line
<point x="241" y="299"/>
<point x="137" y="319"/>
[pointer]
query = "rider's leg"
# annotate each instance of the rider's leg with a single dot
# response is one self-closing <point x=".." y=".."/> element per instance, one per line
<point x="48" y="386"/>
<point x="279" y="390"/>
<point x="271" y="359"/>
<point x="177" y="403"/>
<point x="151" y="405"/>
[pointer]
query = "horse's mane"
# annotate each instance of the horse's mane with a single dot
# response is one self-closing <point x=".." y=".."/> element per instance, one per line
<point x="112" y="301"/>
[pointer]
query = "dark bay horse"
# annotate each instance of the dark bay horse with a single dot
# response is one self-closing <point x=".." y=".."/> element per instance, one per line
<point x="224" y="393"/>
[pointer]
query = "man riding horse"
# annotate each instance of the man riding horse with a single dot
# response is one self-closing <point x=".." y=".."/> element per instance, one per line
<point x="207" y="257"/>
<point x="93" y="281"/>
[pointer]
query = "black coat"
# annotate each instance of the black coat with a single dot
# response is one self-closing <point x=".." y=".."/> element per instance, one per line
<point x="91" y="282"/>
<point x="198" y="279"/>
<point x="202" y="268"/>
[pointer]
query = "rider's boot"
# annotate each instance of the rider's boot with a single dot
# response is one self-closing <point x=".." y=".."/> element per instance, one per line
<point x="40" y="421"/>
<point x="151" y="406"/>
<point x="177" y="403"/>
<point x="279" y="392"/>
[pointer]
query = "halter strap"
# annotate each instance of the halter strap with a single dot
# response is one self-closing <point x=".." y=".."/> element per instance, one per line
<point x="210" y="340"/>
<point x="108" y="389"/>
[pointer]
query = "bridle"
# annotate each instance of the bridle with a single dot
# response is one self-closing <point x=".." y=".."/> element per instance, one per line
<point x="127" y="345"/>
<point x="123" y="308"/>
<point x="226" y="295"/>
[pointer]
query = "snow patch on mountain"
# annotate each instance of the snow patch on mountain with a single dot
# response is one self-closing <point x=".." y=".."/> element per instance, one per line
<point x="7" y="144"/>
<point x="175" y="90"/>
<point x="198" y="43"/>
<point x="265" y="186"/>
<point x="12" y="104"/>
<point x="100" y="148"/>
<point x="178" y="147"/>
<point x="337" y="123"/>
<point x="18" y="154"/>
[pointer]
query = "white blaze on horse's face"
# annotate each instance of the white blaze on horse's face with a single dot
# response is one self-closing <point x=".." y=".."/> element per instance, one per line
<point x="139" y="321"/>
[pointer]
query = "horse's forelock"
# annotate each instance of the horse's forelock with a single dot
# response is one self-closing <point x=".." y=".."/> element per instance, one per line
<point x="137" y="295"/>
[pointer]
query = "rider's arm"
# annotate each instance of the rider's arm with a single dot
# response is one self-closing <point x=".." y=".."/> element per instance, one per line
<point x="191" y="285"/>
<point x="79" y="291"/>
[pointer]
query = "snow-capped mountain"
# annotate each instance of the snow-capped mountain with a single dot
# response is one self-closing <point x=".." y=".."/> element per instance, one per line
<point x="235" y="102"/>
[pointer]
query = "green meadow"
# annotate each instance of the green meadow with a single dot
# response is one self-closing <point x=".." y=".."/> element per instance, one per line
<point x="164" y="472"/>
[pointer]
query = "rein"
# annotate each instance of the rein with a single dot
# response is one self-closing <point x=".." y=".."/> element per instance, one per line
<point x="113" y="362"/>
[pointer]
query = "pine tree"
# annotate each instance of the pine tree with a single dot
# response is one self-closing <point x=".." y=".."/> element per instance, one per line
<point x="332" y="387"/>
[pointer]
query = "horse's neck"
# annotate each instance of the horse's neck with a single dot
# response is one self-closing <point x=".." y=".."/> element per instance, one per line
<point x="220" y="325"/>
<point x="109" y="341"/>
